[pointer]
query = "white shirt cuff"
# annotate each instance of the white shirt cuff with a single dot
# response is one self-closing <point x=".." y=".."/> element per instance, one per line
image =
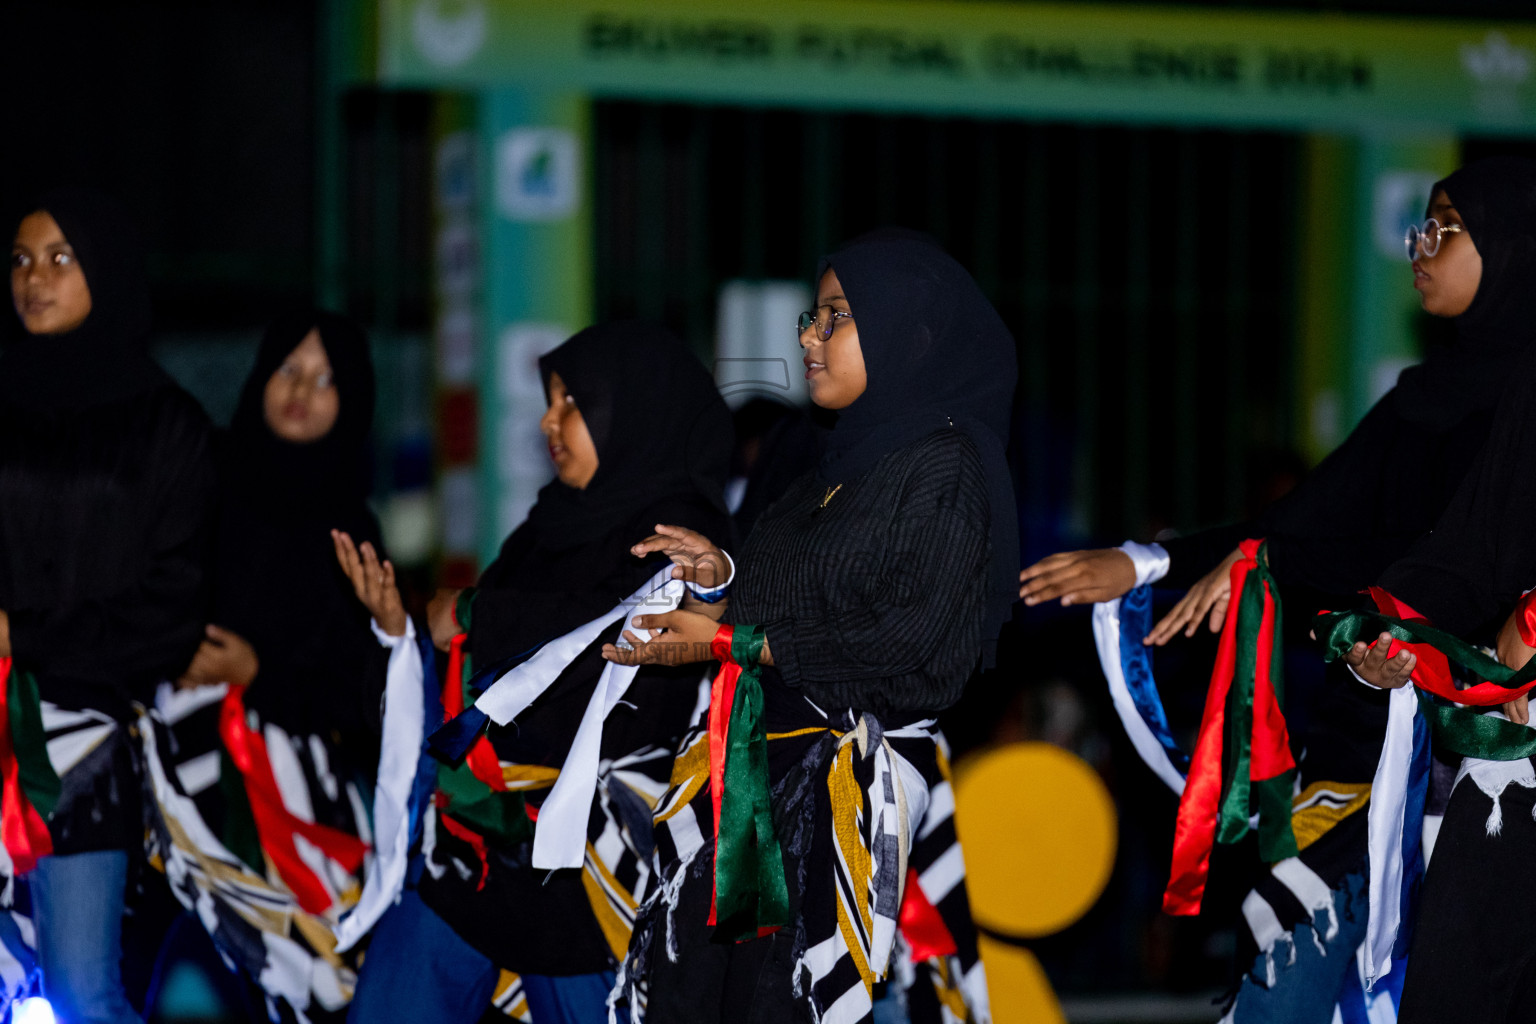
<point x="394" y="641"/>
<point x="1364" y="681"/>
<point x="713" y="594"/>
<point x="1151" y="561"/>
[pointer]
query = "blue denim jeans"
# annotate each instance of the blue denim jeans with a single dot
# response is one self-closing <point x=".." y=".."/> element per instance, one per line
<point x="418" y="971"/>
<point x="1307" y="989"/>
<point x="78" y="902"/>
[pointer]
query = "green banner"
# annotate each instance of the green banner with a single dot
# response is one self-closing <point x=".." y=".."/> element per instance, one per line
<point x="1081" y="61"/>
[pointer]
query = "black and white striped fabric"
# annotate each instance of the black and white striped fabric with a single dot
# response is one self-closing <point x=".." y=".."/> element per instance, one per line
<point x="873" y="808"/>
<point x="256" y="924"/>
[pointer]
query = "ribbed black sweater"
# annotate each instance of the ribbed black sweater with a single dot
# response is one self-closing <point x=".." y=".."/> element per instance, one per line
<point x="875" y="601"/>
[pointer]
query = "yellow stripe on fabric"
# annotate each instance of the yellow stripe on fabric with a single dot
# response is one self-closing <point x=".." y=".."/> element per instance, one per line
<point x="1322" y="805"/>
<point x="802" y="732"/>
<point x="615" y="929"/>
<point x="607" y="878"/>
<point x="847" y="802"/>
<point x="693" y="762"/>
<point x="528" y="776"/>
<point x="946" y="987"/>
<point x="690" y="773"/>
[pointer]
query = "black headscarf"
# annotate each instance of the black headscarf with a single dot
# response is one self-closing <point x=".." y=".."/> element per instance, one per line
<point x="1496" y="198"/>
<point x="935" y="354"/>
<point x="670" y="439"/>
<point x="105" y="360"/>
<point x="276" y="579"/>
<point x="327" y="479"/>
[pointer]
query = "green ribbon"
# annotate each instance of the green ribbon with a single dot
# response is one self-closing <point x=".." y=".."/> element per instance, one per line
<point x="1276" y="839"/>
<point x="1460" y="730"/>
<point x="29" y="741"/>
<point x="751" y="894"/>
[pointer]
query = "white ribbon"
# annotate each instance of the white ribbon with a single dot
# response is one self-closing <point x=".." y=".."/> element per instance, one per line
<point x="1106" y="637"/>
<point x="399" y="755"/>
<point x="1388" y="809"/>
<point x="560" y="834"/>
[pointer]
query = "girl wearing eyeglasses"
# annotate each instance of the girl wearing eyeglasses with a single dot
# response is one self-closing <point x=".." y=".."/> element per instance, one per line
<point x="1474" y="261"/>
<point x="1472" y="950"/>
<point x="861" y="604"/>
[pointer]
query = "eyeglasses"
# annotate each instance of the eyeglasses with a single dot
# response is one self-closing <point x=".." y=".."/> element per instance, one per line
<point x="824" y="319"/>
<point x="1424" y="239"/>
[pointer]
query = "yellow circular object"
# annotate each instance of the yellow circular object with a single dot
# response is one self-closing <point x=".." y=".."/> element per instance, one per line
<point x="1017" y="987"/>
<point x="1038" y="830"/>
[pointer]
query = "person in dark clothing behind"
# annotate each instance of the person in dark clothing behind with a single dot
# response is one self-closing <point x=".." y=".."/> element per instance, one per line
<point x="866" y="597"/>
<point x="106" y="490"/>
<point x="1340" y="529"/>
<point x="288" y="628"/>
<point x="638" y="435"/>
<point x="775" y="445"/>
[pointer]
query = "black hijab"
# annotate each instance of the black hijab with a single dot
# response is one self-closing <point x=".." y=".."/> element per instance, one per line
<point x="276" y="579"/>
<point x="1496" y="198"/>
<point x="935" y="354"/>
<point x="104" y="361"/>
<point x="660" y="428"/>
<point x="325" y="480"/>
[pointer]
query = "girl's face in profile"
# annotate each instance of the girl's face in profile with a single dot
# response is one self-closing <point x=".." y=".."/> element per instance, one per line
<point x="1447" y="281"/>
<point x="570" y="445"/>
<point x="47" y="284"/>
<point x="300" y="402"/>
<point x="834" y="366"/>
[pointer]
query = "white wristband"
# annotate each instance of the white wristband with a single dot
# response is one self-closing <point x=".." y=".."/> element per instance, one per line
<point x="711" y="595"/>
<point x="1151" y="561"/>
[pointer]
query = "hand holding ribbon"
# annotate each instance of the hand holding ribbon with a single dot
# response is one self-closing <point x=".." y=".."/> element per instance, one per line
<point x="1461" y="731"/>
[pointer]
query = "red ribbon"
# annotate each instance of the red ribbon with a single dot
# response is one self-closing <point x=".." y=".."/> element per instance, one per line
<point x="927" y="935"/>
<point x="22" y="829"/>
<point x="482" y="759"/>
<point x="1525" y="618"/>
<point x="1270" y="754"/>
<point x="470" y="836"/>
<point x="275" y="824"/>
<point x="1269" y="751"/>
<point x="1432" y="673"/>
<point x="722" y="694"/>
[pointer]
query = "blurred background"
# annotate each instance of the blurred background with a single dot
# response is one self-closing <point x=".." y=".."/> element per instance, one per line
<point x="1190" y="216"/>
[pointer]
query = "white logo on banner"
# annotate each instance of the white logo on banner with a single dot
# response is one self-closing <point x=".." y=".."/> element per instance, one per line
<point x="1500" y="68"/>
<point x="449" y="32"/>
<point x="537" y="174"/>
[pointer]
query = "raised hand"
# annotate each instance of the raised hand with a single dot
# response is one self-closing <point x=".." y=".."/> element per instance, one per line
<point x="1208" y="599"/>
<point x="372" y="581"/>
<point x="222" y="657"/>
<point x="1078" y="577"/>
<point x="694" y="557"/>
<point x="1372" y="664"/>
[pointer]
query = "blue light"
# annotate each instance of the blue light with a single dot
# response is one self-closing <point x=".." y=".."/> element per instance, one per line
<point x="32" y="1011"/>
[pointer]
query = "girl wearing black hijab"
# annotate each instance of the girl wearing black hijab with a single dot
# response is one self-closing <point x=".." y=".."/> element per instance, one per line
<point x="106" y="487"/>
<point x="304" y="669"/>
<point x="638" y="435"/>
<point x="1472" y="949"/>
<point x="1337" y="533"/>
<point x="862" y="603"/>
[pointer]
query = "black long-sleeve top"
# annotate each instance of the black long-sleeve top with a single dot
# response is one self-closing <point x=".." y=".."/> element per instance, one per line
<point x="875" y="601"/>
<point x="1357" y="512"/>
<point x="104" y="526"/>
<point x="525" y="598"/>
<point x="1467" y="572"/>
